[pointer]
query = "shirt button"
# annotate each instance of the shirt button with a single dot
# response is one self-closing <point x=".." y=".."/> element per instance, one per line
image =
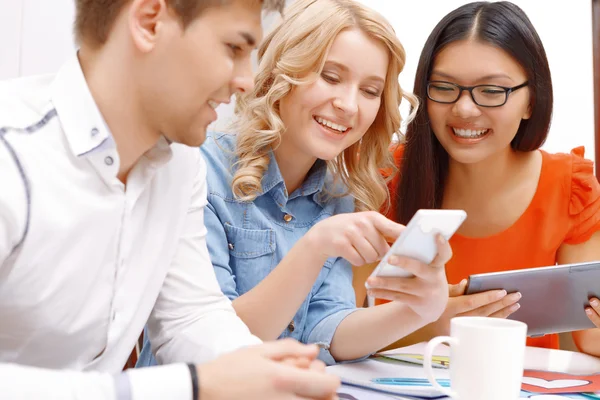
<point x="291" y="326"/>
<point x="231" y="246"/>
<point x="287" y="217"/>
<point x="94" y="132"/>
<point x="109" y="161"/>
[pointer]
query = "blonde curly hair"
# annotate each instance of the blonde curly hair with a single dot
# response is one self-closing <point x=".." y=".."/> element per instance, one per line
<point x="289" y="56"/>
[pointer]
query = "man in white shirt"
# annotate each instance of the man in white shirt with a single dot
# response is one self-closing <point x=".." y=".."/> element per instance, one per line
<point x="101" y="214"/>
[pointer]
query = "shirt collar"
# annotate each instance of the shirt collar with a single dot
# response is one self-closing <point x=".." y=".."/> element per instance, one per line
<point x="315" y="180"/>
<point x="273" y="180"/>
<point x="161" y="153"/>
<point x="82" y="123"/>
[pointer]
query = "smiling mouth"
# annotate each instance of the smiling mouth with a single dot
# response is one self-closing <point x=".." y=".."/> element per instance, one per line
<point x="470" y="133"/>
<point x="333" y="127"/>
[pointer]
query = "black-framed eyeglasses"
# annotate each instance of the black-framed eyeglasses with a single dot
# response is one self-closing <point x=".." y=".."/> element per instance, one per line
<point x="482" y="95"/>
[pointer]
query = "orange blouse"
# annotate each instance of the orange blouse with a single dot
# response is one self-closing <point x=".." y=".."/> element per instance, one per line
<point x="565" y="209"/>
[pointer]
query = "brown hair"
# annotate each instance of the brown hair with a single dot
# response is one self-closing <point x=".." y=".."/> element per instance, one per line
<point x="94" y="18"/>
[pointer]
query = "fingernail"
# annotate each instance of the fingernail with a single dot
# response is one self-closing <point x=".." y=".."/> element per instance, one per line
<point x="516" y="296"/>
<point x="588" y="311"/>
<point x="441" y="239"/>
<point x="594" y="303"/>
<point x="394" y="260"/>
<point x="501" y="294"/>
<point x="515" y="307"/>
<point x="463" y="282"/>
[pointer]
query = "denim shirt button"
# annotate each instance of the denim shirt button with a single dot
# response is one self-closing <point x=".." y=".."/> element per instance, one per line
<point x="291" y="326"/>
<point x="287" y="217"/>
<point x="230" y="245"/>
<point x="323" y="346"/>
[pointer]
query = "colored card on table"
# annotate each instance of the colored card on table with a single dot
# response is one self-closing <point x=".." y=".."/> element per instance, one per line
<point x="555" y="382"/>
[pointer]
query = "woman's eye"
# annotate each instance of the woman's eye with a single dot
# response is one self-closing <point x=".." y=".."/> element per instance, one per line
<point x="330" y="78"/>
<point x="443" y="88"/>
<point x="493" y="91"/>
<point x="372" y="92"/>
<point x="234" y="48"/>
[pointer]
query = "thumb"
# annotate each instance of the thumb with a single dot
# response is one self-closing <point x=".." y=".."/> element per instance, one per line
<point x="458" y="289"/>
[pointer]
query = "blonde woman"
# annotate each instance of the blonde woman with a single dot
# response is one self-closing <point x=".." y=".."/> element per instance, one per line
<point x="310" y="141"/>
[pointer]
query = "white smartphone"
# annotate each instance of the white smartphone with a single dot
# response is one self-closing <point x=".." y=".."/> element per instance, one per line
<point x="417" y="240"/>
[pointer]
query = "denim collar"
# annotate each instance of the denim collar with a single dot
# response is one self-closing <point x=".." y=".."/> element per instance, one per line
<point x="273" y="183"/>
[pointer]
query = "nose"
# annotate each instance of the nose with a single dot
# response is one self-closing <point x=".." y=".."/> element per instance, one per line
<point x="347" y="101"/>
<point x="243" y="77"/>
<point x="465" y="107"/>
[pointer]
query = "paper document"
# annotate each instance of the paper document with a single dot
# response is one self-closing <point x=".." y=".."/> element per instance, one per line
<point x="392" y="377"/>
<point x="355" y="393"/>
<point x="414" y="355"/>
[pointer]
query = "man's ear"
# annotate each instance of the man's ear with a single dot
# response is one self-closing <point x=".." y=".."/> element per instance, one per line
<point x="146" y="19"/>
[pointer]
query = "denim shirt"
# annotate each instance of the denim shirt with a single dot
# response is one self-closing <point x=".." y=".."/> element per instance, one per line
<point x="247" y="240"/>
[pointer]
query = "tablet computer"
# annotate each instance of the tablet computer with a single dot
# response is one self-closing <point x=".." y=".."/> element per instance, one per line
<point x="554" y="298"/>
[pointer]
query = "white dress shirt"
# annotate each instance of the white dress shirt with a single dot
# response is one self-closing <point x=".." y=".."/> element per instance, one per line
<point x="86" y="261"/>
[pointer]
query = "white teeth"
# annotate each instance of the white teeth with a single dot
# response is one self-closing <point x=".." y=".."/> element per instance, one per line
<point x="213" y="104"/>
<point x="468" y="133"/>
<point x="331" y="125"/>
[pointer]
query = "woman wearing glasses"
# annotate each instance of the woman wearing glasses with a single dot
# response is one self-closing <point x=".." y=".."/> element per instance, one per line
<point x="487" y="92"/>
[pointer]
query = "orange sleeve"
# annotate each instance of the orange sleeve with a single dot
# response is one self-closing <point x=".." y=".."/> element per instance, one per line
<point x="584" y="204"/>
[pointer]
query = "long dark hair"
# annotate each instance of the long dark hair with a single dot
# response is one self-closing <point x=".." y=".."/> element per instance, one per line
<point x="504" y="25"/>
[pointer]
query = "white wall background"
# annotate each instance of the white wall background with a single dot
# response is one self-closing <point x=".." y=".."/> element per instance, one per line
<point x="35" y="37"/>
<point x="10" y="38"/>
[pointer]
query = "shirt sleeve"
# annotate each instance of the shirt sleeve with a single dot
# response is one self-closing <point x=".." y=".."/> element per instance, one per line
<point x="219" y="253"/>
<point x="192" y="320"/>
<point x="584" y="204"/>
<point x="157" y="383"/>
<point x="332" y="302"/>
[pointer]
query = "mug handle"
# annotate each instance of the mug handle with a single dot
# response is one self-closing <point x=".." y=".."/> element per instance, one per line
<point x="433" y="343"/>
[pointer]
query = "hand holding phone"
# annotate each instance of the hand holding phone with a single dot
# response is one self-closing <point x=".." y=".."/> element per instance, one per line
<point x="417" y="240"/>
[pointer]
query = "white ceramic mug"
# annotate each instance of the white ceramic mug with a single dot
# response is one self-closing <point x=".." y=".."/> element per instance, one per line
<point x="486" y="358"/>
